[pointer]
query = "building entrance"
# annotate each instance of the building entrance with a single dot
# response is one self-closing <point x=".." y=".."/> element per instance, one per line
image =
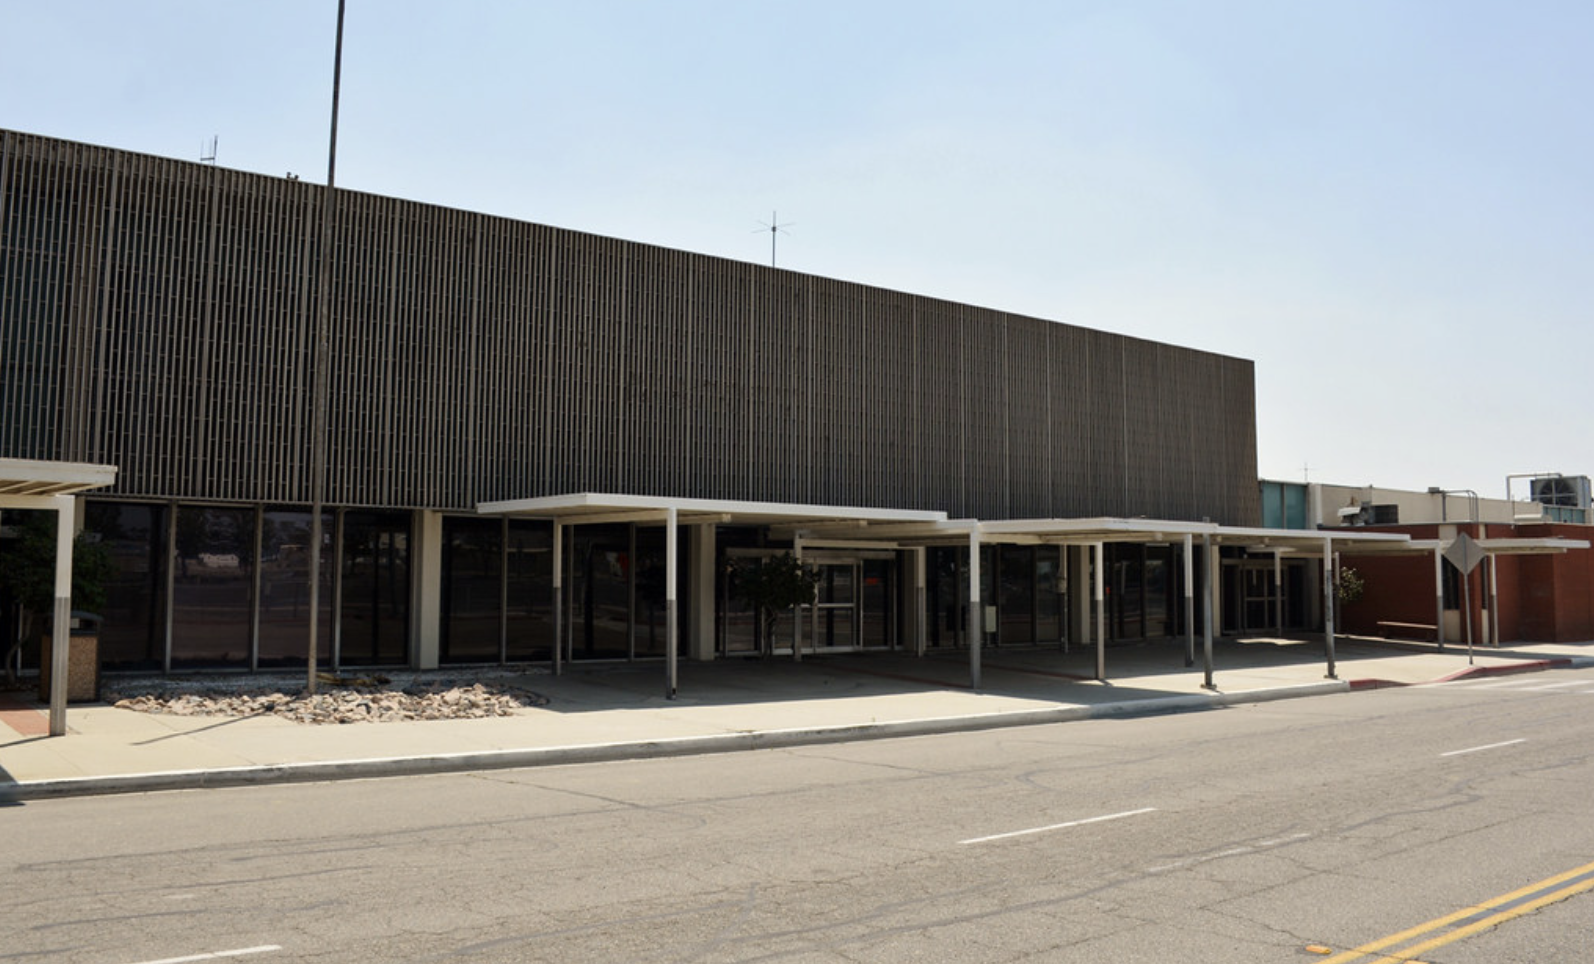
<point x="856" y="602"/>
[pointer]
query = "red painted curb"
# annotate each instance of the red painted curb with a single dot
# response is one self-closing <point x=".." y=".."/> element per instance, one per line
<point x="1509" y="669"/>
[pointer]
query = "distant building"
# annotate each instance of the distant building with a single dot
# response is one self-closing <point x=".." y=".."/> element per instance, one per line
<point x="1536" y="582"/>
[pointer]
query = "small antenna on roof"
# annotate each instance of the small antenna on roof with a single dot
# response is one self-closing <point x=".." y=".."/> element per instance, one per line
<point x="207" y="153"/>
<point x="774" y="227"/>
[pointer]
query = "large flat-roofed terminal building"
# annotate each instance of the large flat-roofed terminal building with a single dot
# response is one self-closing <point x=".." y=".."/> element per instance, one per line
<point x="522" y="418"/>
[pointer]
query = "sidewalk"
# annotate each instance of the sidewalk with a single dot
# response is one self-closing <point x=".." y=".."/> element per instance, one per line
<point x="618" y="711"/>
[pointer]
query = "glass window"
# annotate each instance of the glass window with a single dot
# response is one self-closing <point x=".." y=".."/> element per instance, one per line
<point x="133" y="632"/>
<point x="213" y="579"/>
<point x="375" y="616"/>
<point x="472" y="583"/>
<point x="1017" y="602"/>
<point x="530" y="578"/>
<point x="285" y="588"/>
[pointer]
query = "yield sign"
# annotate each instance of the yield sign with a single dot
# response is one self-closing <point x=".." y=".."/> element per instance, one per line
<point x="1464" y="553"/>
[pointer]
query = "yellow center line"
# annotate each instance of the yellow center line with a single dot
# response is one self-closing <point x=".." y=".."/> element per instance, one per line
<point x="1532" y="897"/>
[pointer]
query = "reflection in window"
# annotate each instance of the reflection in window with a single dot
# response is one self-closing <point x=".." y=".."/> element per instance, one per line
<point x="530" y="575"/>
<point x="472" y="557"/>
<point x="285" y="588"/>
<point x="210" y="599"/>
<point x="375" y="617"/>
<point x="133" y="631"/>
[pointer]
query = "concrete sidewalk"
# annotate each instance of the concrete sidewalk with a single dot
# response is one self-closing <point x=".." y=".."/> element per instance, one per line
<point x="618" y="711"/>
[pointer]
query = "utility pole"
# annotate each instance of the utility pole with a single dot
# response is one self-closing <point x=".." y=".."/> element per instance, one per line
<point x="323" y="351"/>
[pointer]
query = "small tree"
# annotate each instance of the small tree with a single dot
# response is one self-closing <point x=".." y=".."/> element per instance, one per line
<point x="27" y="576"/>
<point x="770" y="586"/>
<point x="1348" y="587"/>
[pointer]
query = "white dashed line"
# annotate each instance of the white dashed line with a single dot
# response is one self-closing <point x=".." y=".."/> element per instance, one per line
<point x="217" y="955"/>
<point x="1489" y="746"/>
<point x="1058" y="826"/>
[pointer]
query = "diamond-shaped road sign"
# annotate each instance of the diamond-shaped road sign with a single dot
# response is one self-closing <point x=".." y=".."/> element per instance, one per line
<point x="1464" y="553"/>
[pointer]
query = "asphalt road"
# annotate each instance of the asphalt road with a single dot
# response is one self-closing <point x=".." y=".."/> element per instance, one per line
<point x="1295" y="830"/>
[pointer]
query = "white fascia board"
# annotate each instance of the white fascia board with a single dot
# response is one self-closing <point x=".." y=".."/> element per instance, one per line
<point x="577" y="503"/>
<point x="36" y="477"/>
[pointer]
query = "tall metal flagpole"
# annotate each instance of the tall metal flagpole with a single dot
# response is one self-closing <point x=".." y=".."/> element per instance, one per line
<point x="318" y="405"/>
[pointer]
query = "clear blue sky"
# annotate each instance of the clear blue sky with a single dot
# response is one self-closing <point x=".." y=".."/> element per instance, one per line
<point x="1387" y="205"/>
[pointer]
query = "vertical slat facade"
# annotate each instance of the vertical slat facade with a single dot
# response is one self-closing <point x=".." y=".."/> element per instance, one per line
<point x="157" y="315"/>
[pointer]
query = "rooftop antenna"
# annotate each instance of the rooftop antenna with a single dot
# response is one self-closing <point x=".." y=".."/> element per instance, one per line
<point x="207" y="152"/>
<point x="775" y="228"/>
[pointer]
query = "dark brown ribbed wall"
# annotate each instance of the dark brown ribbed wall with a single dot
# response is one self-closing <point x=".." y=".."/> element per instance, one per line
<point x="157" y="315"/>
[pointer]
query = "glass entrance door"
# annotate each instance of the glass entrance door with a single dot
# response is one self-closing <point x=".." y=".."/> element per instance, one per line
<point x="856" y="607"/>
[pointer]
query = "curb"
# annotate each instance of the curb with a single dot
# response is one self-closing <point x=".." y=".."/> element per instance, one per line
<point x="1505" y="669"/>
<point x="643" y="750"/>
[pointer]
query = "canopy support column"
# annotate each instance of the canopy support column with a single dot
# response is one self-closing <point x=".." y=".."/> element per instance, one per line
<point x="1209" y="589"/>
<point x="976" y="615"/>
<point x="558" y="598"/>
<point x="1278" y="593"/>
<point x="921" y="620"/>
<point x="1439" y="597"/>
<point x="797" y="613"/>
<point x="1494" y="602"/>
<point x="1189" y="600"/>
<point x="1328" y="603"/>
<point x="672" y="629"/>
<point x="61" y="628"/>
<point x="1101" y="610"/>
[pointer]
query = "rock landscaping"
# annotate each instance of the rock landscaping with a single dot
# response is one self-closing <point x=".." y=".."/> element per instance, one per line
<point x="376" y="699"/>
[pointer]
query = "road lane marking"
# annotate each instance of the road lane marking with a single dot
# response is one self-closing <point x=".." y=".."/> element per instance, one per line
<point x="1558" y="686"/>
<point x="1486" y="746"/>
<point x="1058" y="826"/>
<point x="217" y="955"/>
<point x="1472" y="920"/>
<point x="1257" y="847"/>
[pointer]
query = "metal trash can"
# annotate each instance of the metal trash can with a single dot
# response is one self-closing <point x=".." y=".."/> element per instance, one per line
<point x="82" y="661"/>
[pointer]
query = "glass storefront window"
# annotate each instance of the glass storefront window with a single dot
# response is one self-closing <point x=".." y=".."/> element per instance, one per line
<point x="212" y="586"/>
<point x="472" y="584"/>
<point x="285" y="588"/>
<point x="530" y="576"/>
<point x="133" y="631"/>
<point x="375" y="617"/>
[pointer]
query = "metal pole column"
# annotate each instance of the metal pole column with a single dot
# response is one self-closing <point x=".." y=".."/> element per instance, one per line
<point x="1189" y="600"/>
<point x="1328" y="603"/>
<point x="921" y="597"/>
<point x="61" y="625"/>
<point x="1278" y="593"/>
<point x="1209" y="588"/>
<point x="1100" y="581"/>
<point x="671" y="634"/>
<point x="1494" y="602"/>
<point x="797" y="613"/>
<point x="558" y="598"/>
<point x="323" y="353"/>
<point x="1439" y="597"/>
<point x="976" y="616"/>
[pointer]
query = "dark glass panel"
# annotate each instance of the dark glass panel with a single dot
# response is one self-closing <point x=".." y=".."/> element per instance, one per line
<point x="285" y="588"/>
<point x="1048" y="594"/>
<point x="877" y="600"/>
<point x="1017" y="602"/>
<point x="530" y="590"/>
<point x="652" y="635"/>
<point x="600" y="591"/>
<point x="214" y="576"/>
<point x="375" y="615"/>
<point x="132" y="634"/>
<point x="472" y="584"/>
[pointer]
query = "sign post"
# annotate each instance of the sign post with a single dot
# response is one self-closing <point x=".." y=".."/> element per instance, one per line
<point x="1465" y="554"/>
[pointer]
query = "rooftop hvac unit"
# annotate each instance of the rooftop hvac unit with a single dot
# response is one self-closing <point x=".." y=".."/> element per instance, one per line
<point x="1571" y="491"/>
